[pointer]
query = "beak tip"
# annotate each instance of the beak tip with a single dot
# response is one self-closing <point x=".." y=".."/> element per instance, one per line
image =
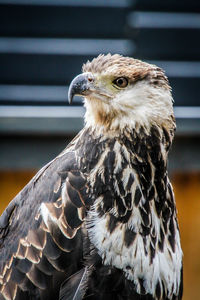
<point x="69" y="99"/>
<point x="79" y="86"/>
<point x="70" y="95"/>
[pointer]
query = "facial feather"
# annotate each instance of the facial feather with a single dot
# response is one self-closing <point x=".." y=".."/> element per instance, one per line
<point x="146" y="99"/>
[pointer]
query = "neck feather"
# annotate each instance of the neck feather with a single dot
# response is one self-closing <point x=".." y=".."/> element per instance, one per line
<point x="133" y="222"/>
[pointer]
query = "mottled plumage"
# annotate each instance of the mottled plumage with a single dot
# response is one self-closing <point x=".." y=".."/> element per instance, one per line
<point x="99" y="221"/>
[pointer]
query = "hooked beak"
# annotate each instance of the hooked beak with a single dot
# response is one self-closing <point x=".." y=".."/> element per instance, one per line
<point x="81" y="85"/>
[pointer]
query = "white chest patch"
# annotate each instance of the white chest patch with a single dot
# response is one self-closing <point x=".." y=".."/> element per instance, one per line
<point x="135" y="259"/>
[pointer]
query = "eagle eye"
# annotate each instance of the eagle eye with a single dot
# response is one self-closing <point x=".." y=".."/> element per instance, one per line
<point x="121" y="82"/>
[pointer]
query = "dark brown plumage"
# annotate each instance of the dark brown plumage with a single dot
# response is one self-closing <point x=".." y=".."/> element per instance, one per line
<point x="99" y="221"/>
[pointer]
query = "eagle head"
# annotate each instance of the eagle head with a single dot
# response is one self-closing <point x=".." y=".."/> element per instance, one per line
<point x="121" y="91"/>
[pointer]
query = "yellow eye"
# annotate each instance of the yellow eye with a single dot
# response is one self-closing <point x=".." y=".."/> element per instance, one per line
<point x="121" y="82"/>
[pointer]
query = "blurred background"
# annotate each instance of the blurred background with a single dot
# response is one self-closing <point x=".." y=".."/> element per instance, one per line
<point x="43" y="44"/>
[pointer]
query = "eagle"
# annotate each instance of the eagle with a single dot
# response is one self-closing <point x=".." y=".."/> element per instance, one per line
<point x="99" y="221"/>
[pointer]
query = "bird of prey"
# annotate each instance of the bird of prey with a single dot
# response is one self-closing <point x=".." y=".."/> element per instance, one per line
<point x="100" y="221"/>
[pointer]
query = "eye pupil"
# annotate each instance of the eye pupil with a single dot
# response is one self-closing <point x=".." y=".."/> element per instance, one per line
<point x="121" y="82"/>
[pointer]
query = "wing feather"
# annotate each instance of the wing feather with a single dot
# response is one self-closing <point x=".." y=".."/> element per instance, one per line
<point x="40" y="233"/>
<point x="74" y="287"/>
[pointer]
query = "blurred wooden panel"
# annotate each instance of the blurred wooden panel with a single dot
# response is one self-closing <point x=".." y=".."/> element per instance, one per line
<point x="11" y="182"/>
<point x="187" y="191"/>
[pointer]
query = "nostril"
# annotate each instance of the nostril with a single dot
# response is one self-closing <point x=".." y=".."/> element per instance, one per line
<point x="90" y="79"/>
